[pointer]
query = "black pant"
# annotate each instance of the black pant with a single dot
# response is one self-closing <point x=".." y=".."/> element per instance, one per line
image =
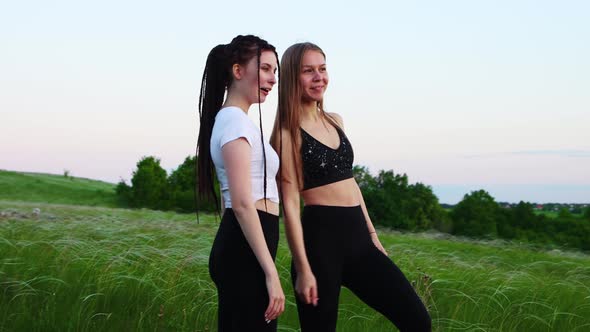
<point x="240" y="281"/>
<point x="341" y="253"/>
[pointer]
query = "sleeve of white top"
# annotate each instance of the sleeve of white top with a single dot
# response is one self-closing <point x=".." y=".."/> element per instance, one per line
<point x="235" y="128"/>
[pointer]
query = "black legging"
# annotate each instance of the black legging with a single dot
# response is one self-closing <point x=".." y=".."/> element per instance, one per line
<point x="340" y="252"/>
<point x="240" y="281"/>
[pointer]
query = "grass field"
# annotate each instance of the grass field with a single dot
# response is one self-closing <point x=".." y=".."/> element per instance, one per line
<point x="84" y="268"/>
<point x="548" y="214"/>
<point x="555" y="214"/>
<point x="47" y="188"/>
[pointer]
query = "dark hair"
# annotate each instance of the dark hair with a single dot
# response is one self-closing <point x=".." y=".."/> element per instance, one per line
<point x="217" y="77"/>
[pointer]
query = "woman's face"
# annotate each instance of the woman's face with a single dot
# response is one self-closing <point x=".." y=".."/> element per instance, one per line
<point x="313" y="76"/>
<point x="268" y="68"/>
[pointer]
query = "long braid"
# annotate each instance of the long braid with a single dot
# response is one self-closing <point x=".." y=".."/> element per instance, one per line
<point x="215" y="79"/>
<point x="258" y="52"/>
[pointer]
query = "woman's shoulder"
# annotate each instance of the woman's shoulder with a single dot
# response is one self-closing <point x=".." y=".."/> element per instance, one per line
<point x="231" y="113"/>
<point x="336" y="117"/>
<point x="232" y="122"/>
<point x="233" y="117"/>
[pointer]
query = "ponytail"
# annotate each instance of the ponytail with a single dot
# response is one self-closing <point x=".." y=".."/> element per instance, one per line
<point x="215" y="79"/>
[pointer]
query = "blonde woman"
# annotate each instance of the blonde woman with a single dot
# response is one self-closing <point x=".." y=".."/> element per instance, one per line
<point x="333" y="242"/>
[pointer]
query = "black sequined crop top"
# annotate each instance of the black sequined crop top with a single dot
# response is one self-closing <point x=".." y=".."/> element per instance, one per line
<point x="323" y="165"/>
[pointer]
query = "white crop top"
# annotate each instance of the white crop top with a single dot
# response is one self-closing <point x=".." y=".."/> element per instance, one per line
<point x="230" y="124"/>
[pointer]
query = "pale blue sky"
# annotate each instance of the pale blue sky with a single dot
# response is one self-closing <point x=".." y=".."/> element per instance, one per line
<point x="460" y="95"/>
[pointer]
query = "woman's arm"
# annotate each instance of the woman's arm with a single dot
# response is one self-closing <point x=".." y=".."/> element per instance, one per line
<point x="305" y="285"/>
<point x="236" y="157"/>
<point x="370" y="226"/>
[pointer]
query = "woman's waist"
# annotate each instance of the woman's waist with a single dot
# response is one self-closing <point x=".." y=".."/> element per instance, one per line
<point x="230" y="222"/>
<point x="270" y="203"/>
<point x="231" y="235"/>
<point x="267" y="206"/>
<point x="341" y="193"/>
<point x="341" y="224"/>
<point x="263" y="207"/>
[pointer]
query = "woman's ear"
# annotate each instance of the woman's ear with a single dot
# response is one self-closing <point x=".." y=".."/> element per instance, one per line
<point x="236" y="70"/>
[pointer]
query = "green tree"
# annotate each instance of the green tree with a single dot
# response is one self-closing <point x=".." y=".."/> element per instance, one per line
<point x="587" y="213"/>
<point x="504" y="224"/>
<point x="149" y="184"/>
<point x="521" y="222"/>
<point x="523" y="216"/>
<point x="423" y="207"/>
<point x="476" y="215"/>
<point x="564" y="213"/>
<point x="391" y="201"/>
<point x="124" y="193"/>
<point x="183" y="183"/>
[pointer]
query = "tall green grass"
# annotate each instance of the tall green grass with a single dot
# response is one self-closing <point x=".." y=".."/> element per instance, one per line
<point x="47" y="188"/>
<point x="76" y="268"/>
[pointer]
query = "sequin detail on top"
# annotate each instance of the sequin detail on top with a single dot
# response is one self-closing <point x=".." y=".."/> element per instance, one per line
<point x="323" y="165"/>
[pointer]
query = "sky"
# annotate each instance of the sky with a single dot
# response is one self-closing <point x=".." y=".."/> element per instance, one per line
<point x="459" y="95"/>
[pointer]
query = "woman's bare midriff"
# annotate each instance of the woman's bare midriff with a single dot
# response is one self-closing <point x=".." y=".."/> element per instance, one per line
<point x="341" y="193"/>
<point x="271" y="207"/>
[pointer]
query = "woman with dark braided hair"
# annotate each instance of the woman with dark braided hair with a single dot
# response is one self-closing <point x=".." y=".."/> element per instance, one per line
<point x="333" y="242"/>
<point x="242" y="258"/>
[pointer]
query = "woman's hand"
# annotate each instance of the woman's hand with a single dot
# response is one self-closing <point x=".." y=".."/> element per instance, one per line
<point x="377" y="243"/>
<point x="307" y="288"/>
<point x="276" y="298"/>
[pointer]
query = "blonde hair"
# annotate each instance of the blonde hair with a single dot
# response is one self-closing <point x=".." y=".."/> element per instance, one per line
<point x="290" y="109"/>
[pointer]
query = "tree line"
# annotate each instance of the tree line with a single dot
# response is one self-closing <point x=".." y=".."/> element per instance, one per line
<point x="151" y="187"/>
<point x="391" y="201"/>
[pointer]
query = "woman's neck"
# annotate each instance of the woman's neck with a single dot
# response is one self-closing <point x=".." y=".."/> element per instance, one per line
<point x="237" y="101"/>
<point x="310" y="112"/>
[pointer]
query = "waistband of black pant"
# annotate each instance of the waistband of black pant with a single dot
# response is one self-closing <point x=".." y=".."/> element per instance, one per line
<point x="262" y="214"/>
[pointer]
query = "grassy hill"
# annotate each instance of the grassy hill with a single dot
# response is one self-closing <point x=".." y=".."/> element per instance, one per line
<point x="83" y="268"/>
<point x="47" y="188"/>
